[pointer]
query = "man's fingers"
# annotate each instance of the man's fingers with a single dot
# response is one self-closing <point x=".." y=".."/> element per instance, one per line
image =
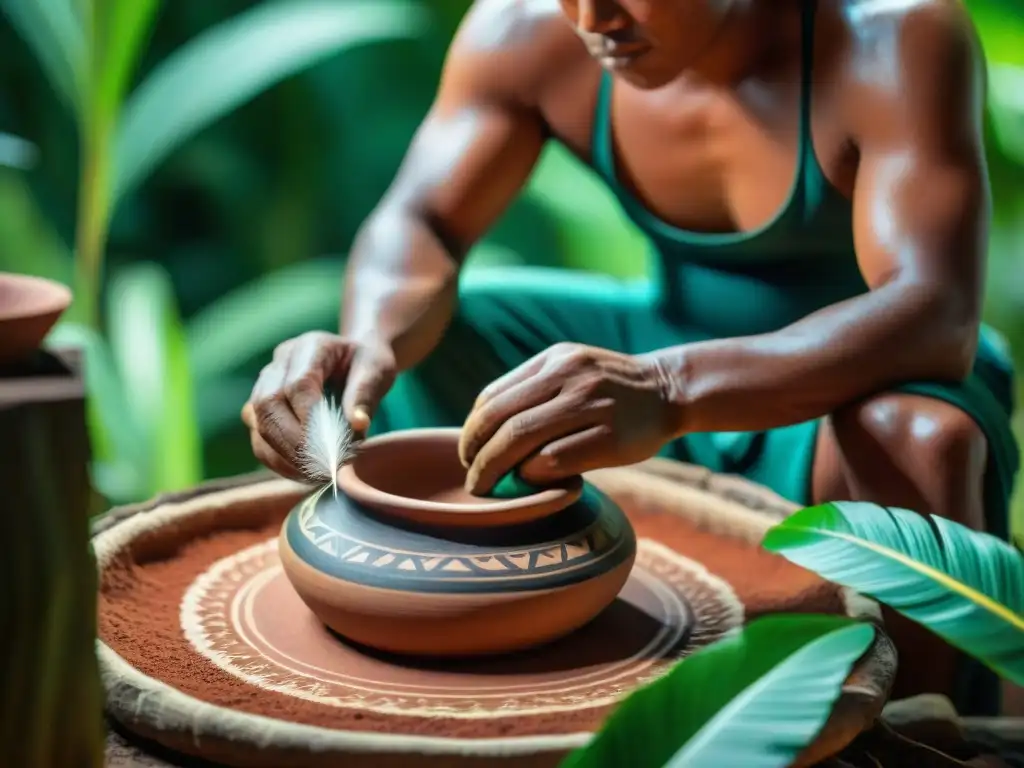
<point x="274" y="419"/>
<point x="271" y="458"/>
<point x="310" y="364"/>
<point x="488" y="416"/>
<point x="249" y="415"/>
<point x="569" y="456"/>
<point x="522" y="435"/>
<point x="513" y="378"/>
<point x="369" y="380"/>
<point x="303" y="391"/>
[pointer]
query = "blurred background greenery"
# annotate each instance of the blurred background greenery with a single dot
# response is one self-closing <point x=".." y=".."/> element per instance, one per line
<point x="235" y="147"/>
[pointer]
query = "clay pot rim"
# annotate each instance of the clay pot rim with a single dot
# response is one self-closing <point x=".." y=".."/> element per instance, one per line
<point x="557" y="497"/>
<point x="47" y="296"/>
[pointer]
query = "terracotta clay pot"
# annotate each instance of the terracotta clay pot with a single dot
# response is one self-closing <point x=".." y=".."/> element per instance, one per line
<point x="404" y="561"/>
<point x="29" y="308"/>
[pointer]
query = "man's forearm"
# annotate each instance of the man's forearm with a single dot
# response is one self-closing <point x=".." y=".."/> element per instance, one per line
<point x="842" y="353"/>
<point x="400" y="286"/>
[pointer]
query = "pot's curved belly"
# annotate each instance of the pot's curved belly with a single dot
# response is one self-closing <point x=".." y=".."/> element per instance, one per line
<point x="435" y="591"/>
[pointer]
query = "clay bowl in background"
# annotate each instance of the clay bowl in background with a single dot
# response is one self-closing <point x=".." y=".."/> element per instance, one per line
<point x="416" y="475"/>
<point x="29" y="308"/>
<point x="426" y="577"/>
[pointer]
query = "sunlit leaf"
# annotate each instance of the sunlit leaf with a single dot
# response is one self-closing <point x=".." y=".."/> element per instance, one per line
<point x="252" y="320"/>
<point x="1000" y="25"/>
<point x="596" y="234"/>
<point x="17" y="153"/>
<point x="1006" y="105"/>
<point x="148" y="342"/>
<point x="220" y="406"/>
<point x="754" y="700"/>
<point x="117" y="443"/>
<point x="29" y="244"/>
<point x="52" y="29"/>
<point x="965" y="586"/>
<point x="120" y="29"/>
<point x="230" y="63"/>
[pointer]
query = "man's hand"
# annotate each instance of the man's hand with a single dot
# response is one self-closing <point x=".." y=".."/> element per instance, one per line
<point x="570" y="409"/>
<point x="294" y="381"/>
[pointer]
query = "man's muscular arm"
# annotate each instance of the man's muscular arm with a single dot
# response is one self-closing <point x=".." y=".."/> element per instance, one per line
<point x="468" y="160"/>
<point x="921" y="210"/>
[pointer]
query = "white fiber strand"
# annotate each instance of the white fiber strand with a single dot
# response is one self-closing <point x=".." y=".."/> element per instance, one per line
<point x="327" y="445"/>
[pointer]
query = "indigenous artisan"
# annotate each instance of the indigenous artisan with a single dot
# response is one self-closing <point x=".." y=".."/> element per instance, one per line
<point x="811" y="178"/>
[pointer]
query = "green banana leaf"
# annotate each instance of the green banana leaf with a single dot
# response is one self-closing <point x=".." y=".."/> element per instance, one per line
<point x="220" y="406"/>
<point x="1006" y="107"/>
<point x="1000" y="26"/>
<point x="230" y="63"/>
<point x="595" y="233"/>
<point x="17" y="153"/>
<point x="756" y="699"/>
<point x="28" y="244"/>
<point x="120" y="29"/>
<point x="251" y="320"/>
<point x="147" y="339"/>
<point x="966" y="587"/>
<point x="141" y="410"/>
<point x="53" y="31"/>
<point x="117" y="444"/>
<point x="247" y="323"/>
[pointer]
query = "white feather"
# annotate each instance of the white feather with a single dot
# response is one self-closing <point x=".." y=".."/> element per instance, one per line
<point x="327" y="445"/>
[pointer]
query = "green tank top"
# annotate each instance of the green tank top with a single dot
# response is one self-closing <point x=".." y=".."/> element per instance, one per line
<point x="731" y="284"/>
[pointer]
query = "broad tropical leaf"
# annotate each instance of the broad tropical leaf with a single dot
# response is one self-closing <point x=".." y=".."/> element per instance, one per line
<point x="119" y="30"/>
<point x="148" y="342"/>
<point x="253" y="319"/>
<point x="17" y="153"/>
<point x="1000" y="25"/>
<point x="52" y="29"/>
<point x="117" y="444"/>
<point x="965" y="586"/>
<point x="756" y="699"/>
<point x="220" y="406"/>
<point x="235" y="60"/>
<point x="595" y="232"/>
<point x="1006" y="107"/>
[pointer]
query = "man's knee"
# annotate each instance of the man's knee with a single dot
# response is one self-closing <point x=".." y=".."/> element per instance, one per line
<point x="937" y="434"/>
<point x="919" y="448"/>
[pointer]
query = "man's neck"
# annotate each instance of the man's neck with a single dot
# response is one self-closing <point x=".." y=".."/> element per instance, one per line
<point x="750" y="35"/>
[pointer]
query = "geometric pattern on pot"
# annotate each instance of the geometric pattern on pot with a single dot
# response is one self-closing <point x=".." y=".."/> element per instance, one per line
<point x="243" y="615"/>
<point x="343" y="539"/>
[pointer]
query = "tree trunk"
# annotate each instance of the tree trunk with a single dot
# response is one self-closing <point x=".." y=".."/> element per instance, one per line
<point x="51" y="701"/>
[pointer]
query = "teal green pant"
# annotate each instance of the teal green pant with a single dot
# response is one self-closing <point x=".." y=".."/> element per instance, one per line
<point x="508" y="315"/>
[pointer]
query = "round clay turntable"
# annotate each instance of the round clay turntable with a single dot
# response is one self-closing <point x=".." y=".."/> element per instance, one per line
<point x="207" y="650"/>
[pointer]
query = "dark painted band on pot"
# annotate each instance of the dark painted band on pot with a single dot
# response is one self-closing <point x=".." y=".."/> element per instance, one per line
<point x="345" y="540"/>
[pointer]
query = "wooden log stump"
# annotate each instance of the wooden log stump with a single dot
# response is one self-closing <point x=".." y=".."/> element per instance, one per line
<point x="50" y="700"/>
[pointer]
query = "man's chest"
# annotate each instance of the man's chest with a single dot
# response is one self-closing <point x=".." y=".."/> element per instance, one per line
<point x="701" y="159"/>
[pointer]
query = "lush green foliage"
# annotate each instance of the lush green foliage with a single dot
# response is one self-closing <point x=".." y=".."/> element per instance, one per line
<point x="755" y="699"/>
<point x="965" y="586"/>
<point x="142" y="417"/>
<point x="762" y="696"/>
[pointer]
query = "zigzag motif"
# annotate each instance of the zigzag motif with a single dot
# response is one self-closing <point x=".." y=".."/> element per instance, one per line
<point x="593" y="542"/>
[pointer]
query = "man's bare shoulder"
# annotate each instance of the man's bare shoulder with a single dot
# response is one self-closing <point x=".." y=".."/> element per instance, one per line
<point x="515" y="47"/>
<point x="506" y="25"/>
<point x="917" y="59"/>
